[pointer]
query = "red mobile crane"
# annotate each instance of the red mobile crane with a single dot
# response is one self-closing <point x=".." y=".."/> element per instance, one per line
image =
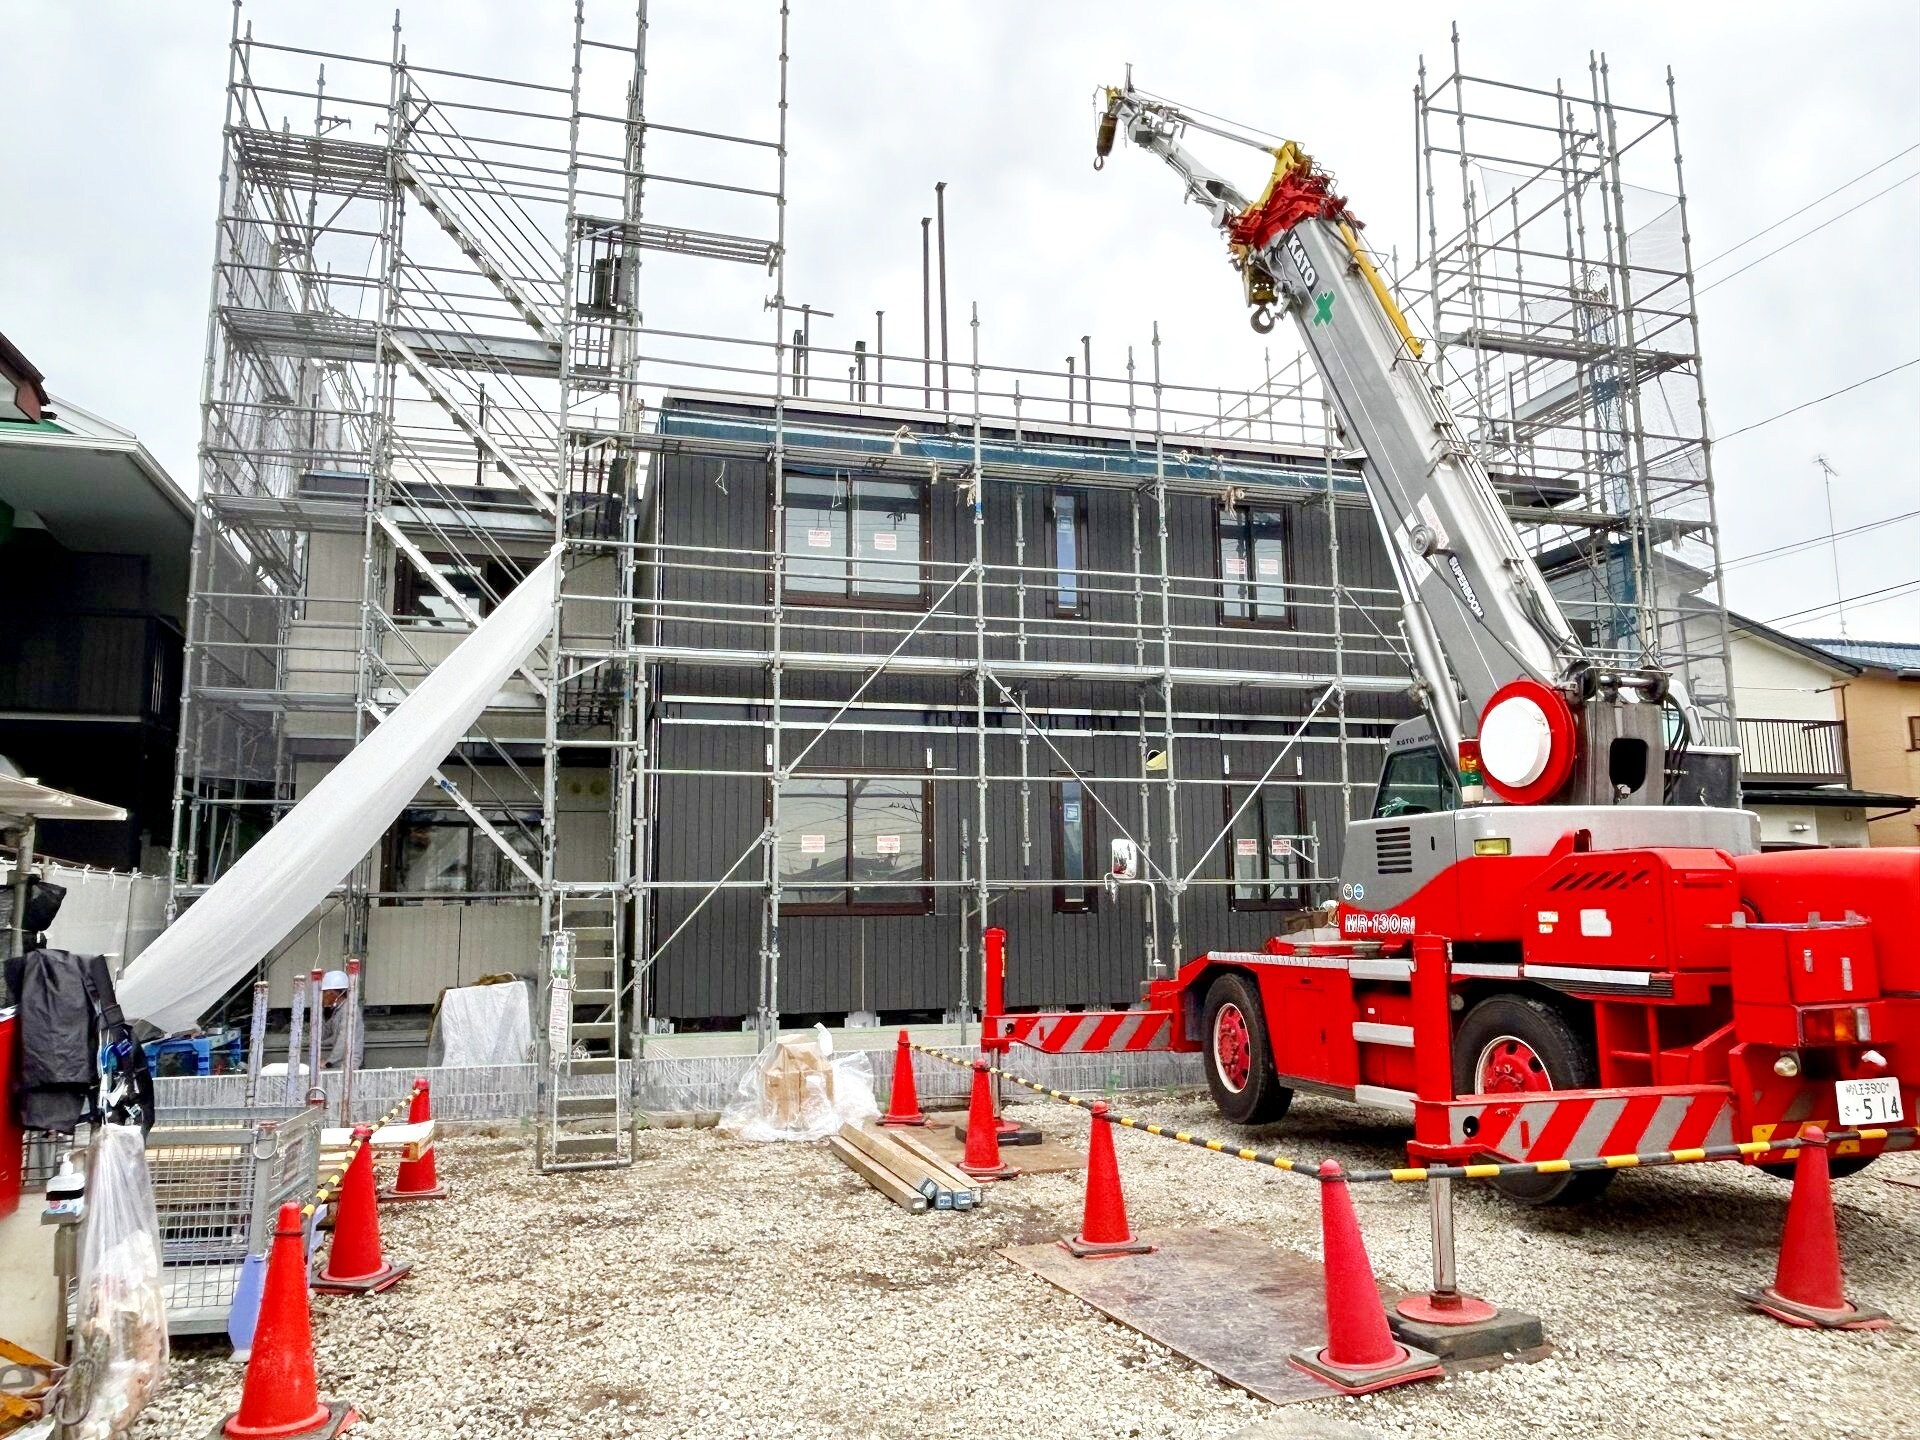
<point x="1541" y="957"/>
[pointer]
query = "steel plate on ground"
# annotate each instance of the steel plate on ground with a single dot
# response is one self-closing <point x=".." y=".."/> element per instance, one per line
<point x="1219" y="1298"/>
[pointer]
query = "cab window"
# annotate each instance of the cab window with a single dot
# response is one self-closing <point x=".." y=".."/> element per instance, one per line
<point x="1414" y="783"/>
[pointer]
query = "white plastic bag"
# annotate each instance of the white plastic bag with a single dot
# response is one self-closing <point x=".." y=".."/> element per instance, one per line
<point x="120" y="1333"/>
<point x="798" y="1089"/>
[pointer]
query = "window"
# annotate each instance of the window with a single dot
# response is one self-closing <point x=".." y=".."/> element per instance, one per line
<point x="1414" y="783"/>
<point x="1253" y="566"/>
<point x="1067" y="550"/>
<point x="432" y="852"/>
<point x="1074" y="849"/>
<point x="1913" y="732"/>
<point x="855" y="845"/>
<point x="854" y="539"/>
<point x="1267" y="848"/>
<point x="480" y="580"/>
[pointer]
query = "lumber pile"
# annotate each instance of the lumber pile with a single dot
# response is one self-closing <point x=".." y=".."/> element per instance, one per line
<point x="902" y="1167"/>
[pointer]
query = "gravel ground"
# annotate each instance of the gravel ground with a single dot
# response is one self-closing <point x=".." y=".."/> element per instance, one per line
<point x="720" y="1289"/>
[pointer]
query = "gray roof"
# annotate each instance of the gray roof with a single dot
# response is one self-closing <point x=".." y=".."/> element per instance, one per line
<point x="1895" y="655"/>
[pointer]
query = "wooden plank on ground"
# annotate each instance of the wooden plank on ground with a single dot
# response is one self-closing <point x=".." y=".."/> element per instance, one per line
<point x="916" y="1172"/>
<point x="877" y="1175"/>
<point x="949" y="1176"/>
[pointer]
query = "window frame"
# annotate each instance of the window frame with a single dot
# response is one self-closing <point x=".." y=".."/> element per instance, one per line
<point x="1064" y="902"/>
<point x="1082" y="506"/>
<point x="779" y="517"/>
<point x="1445" y="777"/>
<point x="478" y="844"/>
<point x="410" y="586"/>
<point x="1300" y="899"/>
<point x="1258" y="616"/>
<point x="848" y="907"/>
<point x="1913" y="732"/>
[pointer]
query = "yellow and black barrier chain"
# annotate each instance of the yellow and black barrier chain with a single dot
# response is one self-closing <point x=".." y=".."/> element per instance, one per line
<point x="1416" y="1174"/>
<point x="1269" y="1158"/>
<point x="331" y="1182"/>
<point x="1746" y="1149"/>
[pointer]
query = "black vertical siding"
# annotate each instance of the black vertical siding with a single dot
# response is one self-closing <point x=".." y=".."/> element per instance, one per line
<point x="835" y="964"/>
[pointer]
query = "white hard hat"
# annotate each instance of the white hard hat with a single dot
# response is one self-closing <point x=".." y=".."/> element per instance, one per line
<point x="334" y="980"/>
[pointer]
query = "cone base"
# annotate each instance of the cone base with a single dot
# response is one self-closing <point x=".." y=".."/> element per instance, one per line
<point x="1082" y="1248"/>
<point x="1769" y="1301"/>
<point x="1351" y="1380"/>
<point x="437" y="1192"/>
<point x="1434" y="1308"/>
<point x="1002" y="1171"/>
<point x="382" y="1279"/>
<point x="330" y="1419"/>
<point x="917" y="1118"/>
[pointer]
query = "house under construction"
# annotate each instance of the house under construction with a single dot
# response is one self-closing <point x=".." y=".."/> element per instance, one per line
<point x="855" y="651"/>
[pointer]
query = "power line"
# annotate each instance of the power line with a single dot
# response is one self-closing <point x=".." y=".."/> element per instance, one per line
<point x="1831" y="395"/>
<point x="1815" y="612"/>
<point x="1754" y="557"/>
<point x="1806" y="234"/>
<point x="1806" y="207"/>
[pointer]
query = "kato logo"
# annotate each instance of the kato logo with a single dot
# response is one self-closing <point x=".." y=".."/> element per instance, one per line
<point x="1298" y="253"/>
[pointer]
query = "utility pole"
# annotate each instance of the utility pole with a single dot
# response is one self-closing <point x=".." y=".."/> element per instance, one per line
<point x="1827" y="473"/>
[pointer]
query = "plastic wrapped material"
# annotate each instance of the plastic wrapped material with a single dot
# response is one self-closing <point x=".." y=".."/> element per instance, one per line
<point x="799" y="1089"/>
<point x="483" y="1025"/>
<point x="120" y="1333"/>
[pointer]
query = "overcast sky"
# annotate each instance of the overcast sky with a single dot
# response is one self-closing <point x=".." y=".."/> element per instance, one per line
<point x="107" y="218"/>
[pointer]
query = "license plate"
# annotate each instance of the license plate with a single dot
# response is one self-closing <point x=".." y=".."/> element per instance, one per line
<point x="1869" y="1102"/>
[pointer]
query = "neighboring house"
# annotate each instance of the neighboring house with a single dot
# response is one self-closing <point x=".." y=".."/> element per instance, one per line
<point x="1881" y="705"/>
<point x="1799" y="754"/>
<point x="94" y="545"/>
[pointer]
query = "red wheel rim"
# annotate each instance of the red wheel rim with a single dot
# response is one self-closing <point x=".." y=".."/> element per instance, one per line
<point x="1508" y="1065"/>
<point x="1232" y="1047"/>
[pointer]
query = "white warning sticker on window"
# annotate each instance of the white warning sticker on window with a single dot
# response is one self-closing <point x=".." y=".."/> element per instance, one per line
<point x="1246" y="847"/>
<point x="819" y="539"/>
<point x="813" y="844"/>
<point x="1596" y="922"/>
<point x="1269" y="566"/>
<point x="886" y="844"/>
<point x="1234" y="565"/>
<point x="1281" y="845"/>
<point x="886" y="540"/>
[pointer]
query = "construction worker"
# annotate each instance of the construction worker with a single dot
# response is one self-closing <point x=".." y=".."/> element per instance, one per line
<point x="337" y="1029"/>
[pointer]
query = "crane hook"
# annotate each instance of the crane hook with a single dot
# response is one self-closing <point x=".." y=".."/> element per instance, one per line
<point x="1261" y="319"/>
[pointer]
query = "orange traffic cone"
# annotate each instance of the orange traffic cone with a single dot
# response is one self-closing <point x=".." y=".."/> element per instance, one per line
<point x="1103" y="1218"/>
<point x="903" y="1101"/>
<point x="280" y="1399"/>
<point x="355" y="1265"/>
<point x="1361" y="1353"/>
<point x="1808" y="1287"/>
<point x="417" y="1179"/>
<point x="982" y="1157"/>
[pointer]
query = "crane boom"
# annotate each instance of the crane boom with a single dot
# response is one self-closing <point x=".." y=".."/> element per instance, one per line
<point x="1478" y="613"/>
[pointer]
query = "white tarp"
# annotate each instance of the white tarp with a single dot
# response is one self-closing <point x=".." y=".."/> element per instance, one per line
<point x="483" y="1025"/>
<point x="290" y="869"/>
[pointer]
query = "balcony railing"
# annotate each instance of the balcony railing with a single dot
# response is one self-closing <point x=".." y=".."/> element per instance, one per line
<point x="1806" y="752"/>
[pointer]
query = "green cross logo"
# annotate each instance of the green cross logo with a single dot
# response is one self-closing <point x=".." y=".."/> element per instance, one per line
<point x="1323" y="308"/>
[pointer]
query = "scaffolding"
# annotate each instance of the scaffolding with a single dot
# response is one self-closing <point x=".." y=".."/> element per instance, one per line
<point x="1556" y="267"/>
<point x="458" y="320"/>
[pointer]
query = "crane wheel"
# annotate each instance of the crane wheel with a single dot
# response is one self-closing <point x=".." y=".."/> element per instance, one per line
<point x="1513" y="1044"/>
<point x="1238" y="1058"/>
